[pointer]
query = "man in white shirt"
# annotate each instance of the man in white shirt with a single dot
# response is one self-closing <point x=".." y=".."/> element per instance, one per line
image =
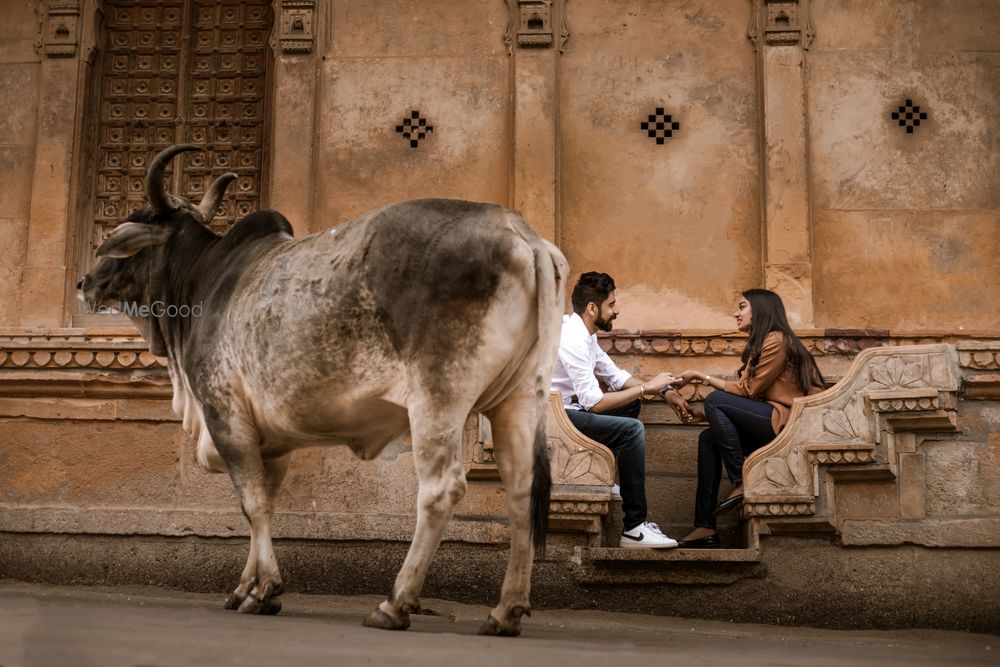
<point x="609" y="417"/>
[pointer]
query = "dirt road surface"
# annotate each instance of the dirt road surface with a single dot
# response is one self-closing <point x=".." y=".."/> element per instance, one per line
<point x="48" y="626"/>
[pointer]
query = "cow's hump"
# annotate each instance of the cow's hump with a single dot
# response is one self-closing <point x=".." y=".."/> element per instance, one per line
<point x="258" y="224"/>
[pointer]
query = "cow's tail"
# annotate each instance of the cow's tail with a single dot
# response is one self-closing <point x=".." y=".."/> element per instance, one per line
<point x="541" y="490"/>
<point x="551" y="270"/>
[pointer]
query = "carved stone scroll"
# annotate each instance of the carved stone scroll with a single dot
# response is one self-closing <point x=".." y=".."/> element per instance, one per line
<point x="576" y="459"/>
<point x="850" y="430"/>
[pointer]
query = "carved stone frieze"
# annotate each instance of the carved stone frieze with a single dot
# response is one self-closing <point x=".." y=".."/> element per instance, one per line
<point x="779" y="509"/>
<point x="42" y="352"/>
<point x="979" y="355"/>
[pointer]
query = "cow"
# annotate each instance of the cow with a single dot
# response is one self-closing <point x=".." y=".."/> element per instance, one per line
<point x="405" y="319"/>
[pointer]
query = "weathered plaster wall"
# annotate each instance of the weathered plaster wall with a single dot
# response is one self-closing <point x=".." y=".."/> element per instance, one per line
<point x="18" y="114"/>
<point x="676" y="224"/>
<point x="906" y="228"/>
<point x="383" y="60"/>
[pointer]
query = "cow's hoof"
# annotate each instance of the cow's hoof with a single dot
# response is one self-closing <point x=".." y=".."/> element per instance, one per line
<point x="233" y="601"/>
<point x="493" y="628"/>
<point x="254" y="605"/>
<point x="380" y="619"/>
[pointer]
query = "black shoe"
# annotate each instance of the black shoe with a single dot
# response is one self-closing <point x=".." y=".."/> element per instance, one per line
<point x="729" y="504"/>
<point x="712" y="541"/>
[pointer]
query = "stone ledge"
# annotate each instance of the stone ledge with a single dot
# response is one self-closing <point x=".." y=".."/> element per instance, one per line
<point x="231" y="523"/>
<point x="984" y="387"/>
<point x="968" y="533"/>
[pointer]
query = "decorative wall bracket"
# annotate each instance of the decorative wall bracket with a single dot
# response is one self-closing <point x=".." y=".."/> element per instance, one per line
<point x="295" y="25"/>
<point x="60" y="28"/>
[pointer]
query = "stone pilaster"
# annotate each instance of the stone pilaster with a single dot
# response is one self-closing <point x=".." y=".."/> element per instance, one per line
<point x="295" y="93"/>
<point x="44" y="278"/>
<point x="534" y="42"/>
<point x="781" y="32"/>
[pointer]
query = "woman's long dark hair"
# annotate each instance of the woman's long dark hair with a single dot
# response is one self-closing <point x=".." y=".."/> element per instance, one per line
<point x="767" y="314"/>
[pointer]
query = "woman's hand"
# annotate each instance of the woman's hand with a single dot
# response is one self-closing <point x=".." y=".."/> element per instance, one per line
<point x="686" y="377"/>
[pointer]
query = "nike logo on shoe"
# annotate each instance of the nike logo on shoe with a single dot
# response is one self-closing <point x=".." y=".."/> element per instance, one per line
<point x="636" y="539"/>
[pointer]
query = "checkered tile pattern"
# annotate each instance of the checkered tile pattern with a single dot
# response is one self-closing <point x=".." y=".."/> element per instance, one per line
<point x="414" y="128"/>
<point x="909" y="116"/>
<point x="660" y="125"/>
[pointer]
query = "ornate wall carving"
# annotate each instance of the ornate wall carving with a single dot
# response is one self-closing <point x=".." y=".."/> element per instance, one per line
<point x="296" y="33"/>
<point x="60" y="28"/>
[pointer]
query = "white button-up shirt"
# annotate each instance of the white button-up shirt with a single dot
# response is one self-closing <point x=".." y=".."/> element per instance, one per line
<point x="580" y="364"/>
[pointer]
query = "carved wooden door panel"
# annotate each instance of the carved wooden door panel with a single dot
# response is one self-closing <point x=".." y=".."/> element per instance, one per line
<point x="181" y="71"/>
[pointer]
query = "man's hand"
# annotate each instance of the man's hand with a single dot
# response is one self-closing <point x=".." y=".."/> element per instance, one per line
<point x="680" y="406"/>
<point x="659" y="382"/>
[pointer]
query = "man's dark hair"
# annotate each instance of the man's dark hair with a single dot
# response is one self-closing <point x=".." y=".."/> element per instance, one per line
<point x="592" y="287"/>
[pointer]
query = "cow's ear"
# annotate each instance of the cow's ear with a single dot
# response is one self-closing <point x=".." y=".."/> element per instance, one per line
<point x="131" y="237"/>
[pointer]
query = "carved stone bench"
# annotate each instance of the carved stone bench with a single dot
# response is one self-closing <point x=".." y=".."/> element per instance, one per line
<point x="583" y="471"/>
<point x="864" y="429"/>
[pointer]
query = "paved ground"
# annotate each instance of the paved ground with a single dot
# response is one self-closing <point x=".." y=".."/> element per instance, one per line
<point x="42" y="626"/>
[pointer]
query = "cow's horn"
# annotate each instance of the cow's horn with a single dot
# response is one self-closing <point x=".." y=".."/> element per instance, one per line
<point x="210" y="202"/>
<point x="158" y="197"/>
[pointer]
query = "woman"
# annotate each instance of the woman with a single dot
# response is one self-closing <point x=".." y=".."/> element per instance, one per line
<point x="745" y="414"/>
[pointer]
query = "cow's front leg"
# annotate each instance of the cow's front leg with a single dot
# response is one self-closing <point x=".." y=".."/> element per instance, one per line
<point x="438" y="460"/>
<point x="274" y="473"/>
<point x="257" y="483"/>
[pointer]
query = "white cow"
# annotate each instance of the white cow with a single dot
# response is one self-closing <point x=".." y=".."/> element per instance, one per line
<point x="404" y="319"/>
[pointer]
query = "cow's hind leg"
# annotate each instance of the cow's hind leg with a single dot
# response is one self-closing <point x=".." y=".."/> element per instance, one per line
<point x="274" y="473"/>
<point x="437" y="455"/>
<point x="515" y="425"/>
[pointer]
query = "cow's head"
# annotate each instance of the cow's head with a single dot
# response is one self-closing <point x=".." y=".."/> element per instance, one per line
<point x="131" y="262"/>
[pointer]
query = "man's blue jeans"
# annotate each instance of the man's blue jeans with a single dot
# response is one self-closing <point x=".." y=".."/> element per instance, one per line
<point x="737" y="427"/>
<point x="620" y="431"/>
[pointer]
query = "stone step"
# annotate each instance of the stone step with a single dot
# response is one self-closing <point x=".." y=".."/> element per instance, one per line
<point x="622" y="567"/>
<point x="618" y="555"/>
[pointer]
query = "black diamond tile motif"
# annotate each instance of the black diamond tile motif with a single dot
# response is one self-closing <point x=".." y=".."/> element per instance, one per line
<point x="909" y="116"/>
<point x="414" y="128"/>
<point x="660" y="125"/>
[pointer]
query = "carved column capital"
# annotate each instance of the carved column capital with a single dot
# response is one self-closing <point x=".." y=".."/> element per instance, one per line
<point x="60" y="28"/>
<point x="786" y="23"/>
<point x="295" y="21"/>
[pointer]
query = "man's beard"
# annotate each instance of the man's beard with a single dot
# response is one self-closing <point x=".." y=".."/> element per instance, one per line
<point x="605" y="325"/>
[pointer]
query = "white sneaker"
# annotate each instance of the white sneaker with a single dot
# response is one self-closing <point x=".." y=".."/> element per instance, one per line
<point x="616" y="492"/>
<point x="646" y="536"/>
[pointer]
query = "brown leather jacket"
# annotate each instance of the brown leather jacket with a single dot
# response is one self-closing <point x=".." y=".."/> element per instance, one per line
<point x="774" y="381"/>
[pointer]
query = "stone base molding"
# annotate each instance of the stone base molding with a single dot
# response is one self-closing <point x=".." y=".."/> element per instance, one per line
<point x="865" y="430"/>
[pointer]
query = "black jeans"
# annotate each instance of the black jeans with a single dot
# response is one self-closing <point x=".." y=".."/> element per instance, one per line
<point x="737" y="426"/>
<point x="620" y="431"/>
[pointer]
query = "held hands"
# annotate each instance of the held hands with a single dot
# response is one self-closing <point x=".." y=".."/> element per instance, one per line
<point x="683" y="410"/>
<point x="659" y="382"/>
<point x="688" y="376"/>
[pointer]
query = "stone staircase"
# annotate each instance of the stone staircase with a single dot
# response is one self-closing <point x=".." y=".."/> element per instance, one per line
<point x="856" y="442"/>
